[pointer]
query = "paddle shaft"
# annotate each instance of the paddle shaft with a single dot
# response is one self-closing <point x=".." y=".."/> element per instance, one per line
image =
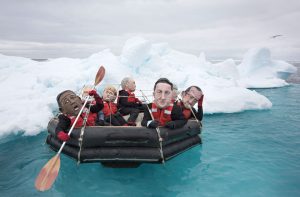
<point x="70" y="131"/>
<point x="83" y="129"/>
<point x="157" y="130"/>
<point x="195" y="115"/>
<point x="190" y="108"/>
<point x="98" y="79"/>
<point x="56" y="157"/>
<point x="50" y="170"/>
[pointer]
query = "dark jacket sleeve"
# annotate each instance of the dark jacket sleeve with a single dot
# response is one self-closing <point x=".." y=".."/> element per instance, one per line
<point x="147" y="115"/>
<point x="177" y="117"/>
<point x="199" y="114"/>
<point x="98" y="106"/>
<point x="123" y="100"/>
<point x="63" y="124"/>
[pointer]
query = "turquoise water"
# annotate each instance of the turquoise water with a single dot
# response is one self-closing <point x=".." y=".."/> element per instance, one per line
<point x="252" y="153"/>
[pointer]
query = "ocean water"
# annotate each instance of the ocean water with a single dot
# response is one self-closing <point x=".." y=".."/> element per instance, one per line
<point x="251" y="153"/>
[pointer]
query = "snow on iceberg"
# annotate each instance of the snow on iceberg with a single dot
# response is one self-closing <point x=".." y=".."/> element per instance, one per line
<point x="32" y="86"/>
<point x="258" y="70"/>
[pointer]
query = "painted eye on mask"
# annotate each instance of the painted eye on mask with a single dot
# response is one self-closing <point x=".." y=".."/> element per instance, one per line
<point x="160" y="93"/>
<point x="66" y="101"/>
<point x="192" y="98"/>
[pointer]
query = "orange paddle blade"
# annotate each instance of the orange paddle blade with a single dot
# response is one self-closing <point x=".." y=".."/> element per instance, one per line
<point x="100" y="75"/>
<point x="48" y="174"/>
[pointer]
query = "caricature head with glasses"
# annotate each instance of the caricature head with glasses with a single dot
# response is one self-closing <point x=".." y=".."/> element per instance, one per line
<point x="191" y="96"/>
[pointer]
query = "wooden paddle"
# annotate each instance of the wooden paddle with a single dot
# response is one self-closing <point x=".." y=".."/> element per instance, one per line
<point x="49" y="172"/>
<point x="195" y="116"/>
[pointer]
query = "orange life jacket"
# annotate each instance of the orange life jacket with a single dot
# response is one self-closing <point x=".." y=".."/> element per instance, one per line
<point x="186" y="112"/>
<point x="162" y="115"/>
<point x="109" y="108"/>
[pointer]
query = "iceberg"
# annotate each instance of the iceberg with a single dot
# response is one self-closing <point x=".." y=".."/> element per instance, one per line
<point x="31" y="87"/>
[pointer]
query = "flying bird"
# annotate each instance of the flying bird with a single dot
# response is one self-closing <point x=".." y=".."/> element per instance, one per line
<point x="275" y="36"/>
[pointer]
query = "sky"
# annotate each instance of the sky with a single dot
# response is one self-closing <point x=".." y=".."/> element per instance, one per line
<point x="79" y="28"/>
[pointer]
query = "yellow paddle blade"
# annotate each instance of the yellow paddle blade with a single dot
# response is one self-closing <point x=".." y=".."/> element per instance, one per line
<point x="48" y="174"/>
<point x="100" y="75"/>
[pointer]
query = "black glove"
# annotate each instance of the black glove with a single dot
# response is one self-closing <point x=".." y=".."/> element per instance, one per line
<point x="171" y="125"/>
<point x="153" y="124"/>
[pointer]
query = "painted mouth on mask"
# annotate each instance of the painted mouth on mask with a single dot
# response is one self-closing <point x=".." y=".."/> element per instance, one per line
<point x="76" y="108"/>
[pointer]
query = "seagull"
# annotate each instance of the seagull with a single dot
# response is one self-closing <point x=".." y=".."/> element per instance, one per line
<point x="275" y="36"/>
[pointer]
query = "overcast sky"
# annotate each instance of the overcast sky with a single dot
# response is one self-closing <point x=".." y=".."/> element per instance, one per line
<point x="219" y="28"/>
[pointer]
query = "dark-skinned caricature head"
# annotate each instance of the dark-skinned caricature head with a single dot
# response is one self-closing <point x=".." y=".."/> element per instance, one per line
<point x="69" y="103"/>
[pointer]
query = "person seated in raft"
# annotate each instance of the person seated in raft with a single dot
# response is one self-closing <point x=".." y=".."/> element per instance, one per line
<point x="175" y="93"/>
<point x="190" y="97"/>
<point x="70" y="105"/>
<point x="164" y="112"/>
<point x="127" y="102"/>
<point x="84" y="95"/>
<point x="110" y="110"/>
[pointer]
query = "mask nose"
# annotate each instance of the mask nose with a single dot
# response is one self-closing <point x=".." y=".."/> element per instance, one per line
<point x="72" y="101"/>
<point x="163" y="96"/>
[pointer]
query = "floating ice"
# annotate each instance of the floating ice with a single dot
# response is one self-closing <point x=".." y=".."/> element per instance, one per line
<point x="29" y="88"/>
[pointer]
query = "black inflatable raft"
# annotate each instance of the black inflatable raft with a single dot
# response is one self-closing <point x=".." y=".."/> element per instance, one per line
<point x="126" y="146"/>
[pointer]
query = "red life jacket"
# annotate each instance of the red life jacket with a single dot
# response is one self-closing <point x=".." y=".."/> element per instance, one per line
<point x="131" y="97"/>
<point x="186" y="112"/>
<point x="91" y="120"/>
<point x="109" y="108"/>
<point x="162" y="115"/>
